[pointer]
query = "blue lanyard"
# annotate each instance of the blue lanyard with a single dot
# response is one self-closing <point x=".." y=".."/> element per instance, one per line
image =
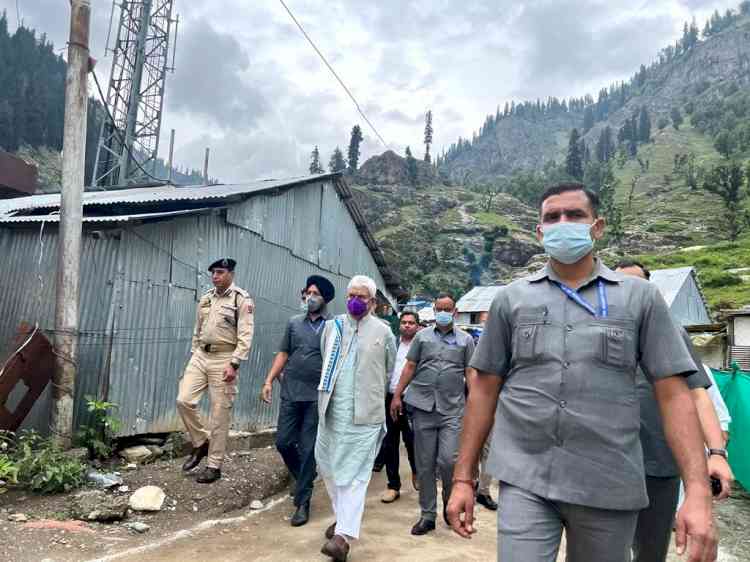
<point x="575" y="296"/>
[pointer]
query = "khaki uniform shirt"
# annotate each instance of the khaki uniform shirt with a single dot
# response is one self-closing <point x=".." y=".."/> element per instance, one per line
<point x="567" y="420"/>
<point x="225" y="320"/>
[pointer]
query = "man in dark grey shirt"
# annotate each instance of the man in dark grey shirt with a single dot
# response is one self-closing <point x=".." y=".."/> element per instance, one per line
<point x="300" y="359"/>
<point x="654" y="527"/>
<point x="436" y="372"/>
<point x="563" y="345"/>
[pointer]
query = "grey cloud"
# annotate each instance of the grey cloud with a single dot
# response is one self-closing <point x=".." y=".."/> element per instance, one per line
<point x="209" y="79"/>
<point x="566" y="45"/>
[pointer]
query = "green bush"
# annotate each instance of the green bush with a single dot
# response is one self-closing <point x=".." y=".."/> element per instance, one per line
<point x="98" y="438"/>
<point x="38" y="464"/>
<point x="720" y="279"/>
<point x="662" y="123"/>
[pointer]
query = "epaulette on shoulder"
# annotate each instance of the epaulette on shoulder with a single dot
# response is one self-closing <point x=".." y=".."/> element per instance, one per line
<point x="207" y="294"/>
<point x="242" y="292"/>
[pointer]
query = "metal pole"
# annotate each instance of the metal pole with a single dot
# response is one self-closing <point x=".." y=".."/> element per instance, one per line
<point x="134" y="100"/>
<point x="71" y="211"/>
<point x="171" y="155"/>
<point x="205" y="166"/>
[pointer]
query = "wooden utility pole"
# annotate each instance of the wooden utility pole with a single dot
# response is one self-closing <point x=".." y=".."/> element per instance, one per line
<point x="205" y="166"/>
<point x="71" y="214"/>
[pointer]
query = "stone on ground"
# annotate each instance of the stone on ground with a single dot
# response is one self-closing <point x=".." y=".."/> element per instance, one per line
<point x="138" y="455"/>
<point x="147" y="498"/>
<point x="96" y="505"/>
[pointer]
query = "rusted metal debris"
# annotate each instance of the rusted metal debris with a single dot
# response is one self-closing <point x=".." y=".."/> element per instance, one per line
<point x="32" y="366"/>
<point x="17" y="178"/>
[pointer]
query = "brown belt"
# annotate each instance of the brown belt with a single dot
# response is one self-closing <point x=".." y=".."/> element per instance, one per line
<point x="217" y="347"/>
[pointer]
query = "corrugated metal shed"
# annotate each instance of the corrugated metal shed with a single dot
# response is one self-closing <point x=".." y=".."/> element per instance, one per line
<point x="478" y="299"/>
<point x="144" y="268"/>
<point x="680" y="288"/>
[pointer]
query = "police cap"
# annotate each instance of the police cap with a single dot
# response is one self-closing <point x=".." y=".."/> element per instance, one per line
<point x="225" y="263"/>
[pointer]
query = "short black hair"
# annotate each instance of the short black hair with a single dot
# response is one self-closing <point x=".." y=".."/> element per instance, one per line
<point x="561" y="188"/>
<point x="445" y="295"/>
<point x="409" y="313"/>
<point x="622" y="264"/>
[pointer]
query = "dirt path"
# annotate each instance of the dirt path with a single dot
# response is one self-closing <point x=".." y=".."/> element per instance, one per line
<point x="267" y="536"/>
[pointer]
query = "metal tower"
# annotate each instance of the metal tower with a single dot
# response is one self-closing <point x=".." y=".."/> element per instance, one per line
<point x="129" y="142"/>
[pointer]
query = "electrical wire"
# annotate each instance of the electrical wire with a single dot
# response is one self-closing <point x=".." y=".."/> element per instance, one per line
<point x="335" y="75"/>
<point x="119" y="134"/>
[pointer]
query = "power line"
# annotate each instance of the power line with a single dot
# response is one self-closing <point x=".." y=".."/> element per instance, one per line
<point x="322" y="57"/>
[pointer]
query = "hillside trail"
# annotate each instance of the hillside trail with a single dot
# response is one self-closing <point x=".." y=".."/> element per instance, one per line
<point x="266" y="535"/>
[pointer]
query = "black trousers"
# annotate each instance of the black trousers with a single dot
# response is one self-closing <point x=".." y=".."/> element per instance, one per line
<point x="399" y="429"/>
<point x="654" y="528"/>
<point x="295" y="440"/>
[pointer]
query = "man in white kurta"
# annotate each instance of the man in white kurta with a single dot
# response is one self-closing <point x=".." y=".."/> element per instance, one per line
<point x="358" y="352"/>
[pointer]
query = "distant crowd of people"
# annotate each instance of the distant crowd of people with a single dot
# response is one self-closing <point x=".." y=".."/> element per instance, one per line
<point x="578" y="394"/>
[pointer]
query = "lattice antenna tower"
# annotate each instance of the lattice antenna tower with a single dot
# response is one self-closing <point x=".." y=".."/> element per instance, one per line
<point x="129" y="142"/>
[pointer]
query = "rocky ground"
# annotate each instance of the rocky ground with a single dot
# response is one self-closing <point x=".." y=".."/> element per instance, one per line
<point x="34" y="527"/>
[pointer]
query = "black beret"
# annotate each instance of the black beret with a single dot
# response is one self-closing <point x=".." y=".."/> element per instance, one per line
<point x="225" y="263"/>
<point x="324" y="286"/>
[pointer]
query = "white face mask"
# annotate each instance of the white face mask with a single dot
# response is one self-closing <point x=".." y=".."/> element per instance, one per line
<point x="567" y="242"/>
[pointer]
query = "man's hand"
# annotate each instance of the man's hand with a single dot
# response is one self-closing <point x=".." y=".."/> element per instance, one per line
<point x="230" y="374"/>
<point x="718" y="467"/>
<point x="695" y="522"/>
<point x="461" y="501"/>
<point x="396" y="407"/>
<point x="266" y="392"/>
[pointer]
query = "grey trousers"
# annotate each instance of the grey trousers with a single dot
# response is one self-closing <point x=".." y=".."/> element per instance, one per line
<point x="529" y="529"/>
<point x="435" y="448"/>
<point x="654" y="528"/>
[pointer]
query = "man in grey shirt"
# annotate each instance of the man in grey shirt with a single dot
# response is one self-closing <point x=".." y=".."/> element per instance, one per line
<point x="300" y="359"/>
<point x="654" y="527"/>
<point x="436" y="373"/>
<point x="564" y="345"/>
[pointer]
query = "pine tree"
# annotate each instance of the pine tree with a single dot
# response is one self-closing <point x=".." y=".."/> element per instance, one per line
<point x="411" y="166"/>
<point x="353" y="155"/>
<point x="644" y="125"/>
<point x="676" y="118"/>
<point x="315" y="167"/>
<point x="588" y="120"/>
<point x="427" y="135"/>
<point x="337" y="162"/>
<point x="573" y="160"/>
<point x="605" y="148"/>
<point x="726" y="181"/>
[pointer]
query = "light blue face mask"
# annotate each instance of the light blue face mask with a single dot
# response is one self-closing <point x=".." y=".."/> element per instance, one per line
<point x="567" y="242"/>
<point x="303" y="307"/>
<point x="443" y="318"/>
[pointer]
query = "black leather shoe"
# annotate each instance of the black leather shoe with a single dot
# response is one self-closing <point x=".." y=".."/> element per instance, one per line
<point x="331" y="530"/>
<point x="196" y="457"/>
<point x="208" y="475"/>
<point x="302" y="515"/>
<point x="487" y="501"/>
<point x="423" y="527"/>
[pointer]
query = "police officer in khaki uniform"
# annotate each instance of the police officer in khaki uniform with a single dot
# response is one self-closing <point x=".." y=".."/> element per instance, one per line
<point x="221" y="340"/>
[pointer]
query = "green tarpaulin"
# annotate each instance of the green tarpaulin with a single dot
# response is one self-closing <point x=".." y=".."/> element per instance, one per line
<point x="735" y="389"/>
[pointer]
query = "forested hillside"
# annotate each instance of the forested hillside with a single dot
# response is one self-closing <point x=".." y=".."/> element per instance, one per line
<point x="668" y="152"/>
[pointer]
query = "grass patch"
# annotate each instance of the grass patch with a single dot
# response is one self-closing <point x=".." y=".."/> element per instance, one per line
<point x="493" y="219"/>
<point x="722" y="288"/>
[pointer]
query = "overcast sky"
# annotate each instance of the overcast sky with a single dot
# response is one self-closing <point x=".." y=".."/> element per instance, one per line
<point x="248" y="85"/>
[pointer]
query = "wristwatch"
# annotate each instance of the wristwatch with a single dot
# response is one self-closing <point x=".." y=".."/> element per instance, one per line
<point x="720" y="452"/>
<point x="235" y="365"/>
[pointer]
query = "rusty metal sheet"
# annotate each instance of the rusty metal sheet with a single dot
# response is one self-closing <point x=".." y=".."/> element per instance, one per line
<point x="17" y="178"/>
<point x="30" y="369"/>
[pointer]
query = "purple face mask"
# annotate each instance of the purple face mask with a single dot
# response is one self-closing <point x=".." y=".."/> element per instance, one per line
<point x="356" y="306"/>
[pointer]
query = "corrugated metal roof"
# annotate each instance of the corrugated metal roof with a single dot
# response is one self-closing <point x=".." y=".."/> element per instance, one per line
<point x="103" y="218"/>
<point x="478" y="299"/>
<point x="670" y="281"/>
<point x="157" y="194"/>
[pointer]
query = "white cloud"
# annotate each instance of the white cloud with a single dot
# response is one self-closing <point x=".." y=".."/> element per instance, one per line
<point x="249" y="86"/>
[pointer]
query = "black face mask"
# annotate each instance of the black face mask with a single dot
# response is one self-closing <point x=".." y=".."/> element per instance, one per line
<point x="314" y="303"/>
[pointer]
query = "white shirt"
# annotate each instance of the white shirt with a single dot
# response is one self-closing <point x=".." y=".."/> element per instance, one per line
<point x="403" y="349"/>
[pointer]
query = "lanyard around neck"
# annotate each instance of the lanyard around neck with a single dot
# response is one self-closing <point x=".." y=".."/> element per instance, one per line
<point x="576" y="297"/>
